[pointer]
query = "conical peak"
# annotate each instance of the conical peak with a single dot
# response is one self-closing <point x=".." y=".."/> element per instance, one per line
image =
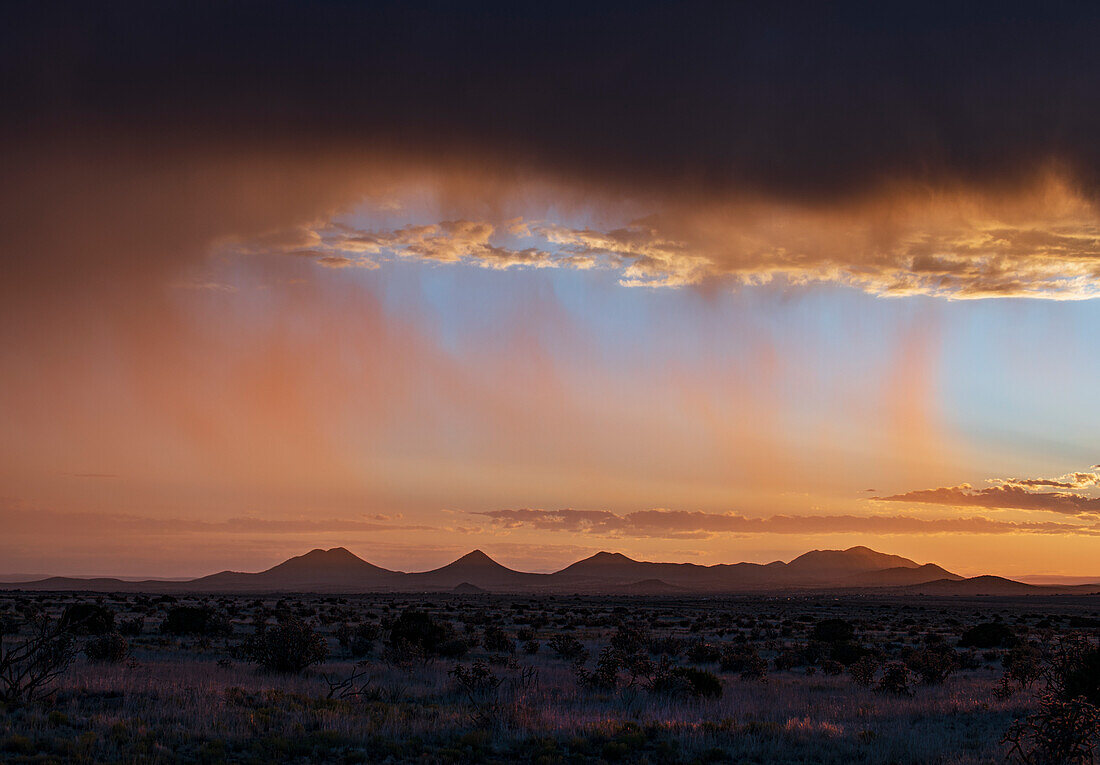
<point x="478" y="557"/>
<point x="333" y="553"/>
<point x="604" y="556"/>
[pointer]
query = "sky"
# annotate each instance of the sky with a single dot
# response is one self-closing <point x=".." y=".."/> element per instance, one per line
<point x="697" y="282"/>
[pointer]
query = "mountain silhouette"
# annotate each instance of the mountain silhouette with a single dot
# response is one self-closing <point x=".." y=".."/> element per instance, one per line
<point x="832" y="563"/>
<point x="338" y="570"/>
<point x="991" y="585"/>
<point x="474" y="568"/>
<point x="902" y="575"/>
<point x="334" y="570"/>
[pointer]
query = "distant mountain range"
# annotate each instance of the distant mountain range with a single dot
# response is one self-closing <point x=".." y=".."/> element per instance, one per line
<point x="340" y="571"/>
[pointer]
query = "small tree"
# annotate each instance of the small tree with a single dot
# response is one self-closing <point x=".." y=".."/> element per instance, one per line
<point x="28" y="668"/>
<point x="290" y="646"/>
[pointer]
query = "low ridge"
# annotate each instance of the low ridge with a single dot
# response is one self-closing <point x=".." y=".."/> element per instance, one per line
<point x="338" y="570"/>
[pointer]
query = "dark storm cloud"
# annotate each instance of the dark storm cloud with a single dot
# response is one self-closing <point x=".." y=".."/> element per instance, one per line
<point x="136" y="135"/>
<point x="807" y="100"/>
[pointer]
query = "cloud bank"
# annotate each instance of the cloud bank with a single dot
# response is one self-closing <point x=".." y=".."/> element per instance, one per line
<point x="931" y="248"/>
<point x="1014" y="494"/>
<point x="935" y="150"/>
<point x="681" y="524"/>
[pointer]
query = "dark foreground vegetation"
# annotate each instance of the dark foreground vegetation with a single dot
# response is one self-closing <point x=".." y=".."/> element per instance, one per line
<point x="811" y="679"/>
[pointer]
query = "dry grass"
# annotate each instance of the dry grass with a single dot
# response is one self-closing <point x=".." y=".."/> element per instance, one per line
<point x="174" y="702"/>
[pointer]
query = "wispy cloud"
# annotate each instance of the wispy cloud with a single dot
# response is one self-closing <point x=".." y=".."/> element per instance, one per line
<point x="1068" y="481"/>
<point x="679" y="524"/>
<point x="1015" y="494"/>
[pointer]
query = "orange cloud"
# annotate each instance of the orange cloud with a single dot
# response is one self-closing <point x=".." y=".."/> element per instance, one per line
<point x="1040" y="240"/>
<point x="680" y="524"/>
<point x="1014" y="494"/>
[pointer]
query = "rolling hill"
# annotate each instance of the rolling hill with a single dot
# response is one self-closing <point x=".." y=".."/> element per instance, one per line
<point x="338" y="570"/>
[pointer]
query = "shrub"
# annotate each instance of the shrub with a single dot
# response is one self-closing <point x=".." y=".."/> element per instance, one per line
<point x="702" y="683"/>
<point x="358" y="640"/>
<point x="606" y="674"/>
<point x="567" y="647"/>
<point x="195" y="620"/>
<point x="417" y="632"/>
<point x="675" y="682"/>
<point x="863" y="672"/>
<point x="497" y="641"/>
<point x="1060" y="732"/>
<point x="87" y="619"/>
<point x="630" y="639"/>
<point x="453" y="648"/>
<point x="701" y="652"/>
<point x="1069" y="667"/>
<point x="107" y="649"/>
<point x="833" y="631"/>
<point x="831" y="668"/>
<point x="667" y="680"/>
<point x="132" y="627"/>
<point x="788" y="659"/>
<point x="968" y="659"/>
<point x="933" y="663"/>
<point x="630" y="644"/>
<point x="1083" y="679"/>
<point x="477" y="683"/>
<point x="29" y="667"/>
<point x="668" y="645"/>
<point x="1023" y="664"/>
<point x="744" y="660"/>
<point x="290" y="646"/>
<point x="895" y="679"/>
<point x="847" y="652"/>
<point x="626" y="652"/>
<point x="612" y="660"/>
<point x="988" y="635"/>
